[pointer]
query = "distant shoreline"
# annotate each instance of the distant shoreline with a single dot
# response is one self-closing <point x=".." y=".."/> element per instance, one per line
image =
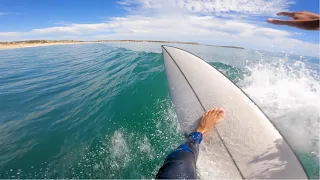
<point x="36" y="43"/>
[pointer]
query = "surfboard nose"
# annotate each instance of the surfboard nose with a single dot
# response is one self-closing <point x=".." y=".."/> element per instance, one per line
<point x="248" y="145"/>
<point x="163" y="48"/>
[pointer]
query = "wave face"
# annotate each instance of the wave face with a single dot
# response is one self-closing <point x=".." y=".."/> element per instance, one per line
<point x="104" y="110"/>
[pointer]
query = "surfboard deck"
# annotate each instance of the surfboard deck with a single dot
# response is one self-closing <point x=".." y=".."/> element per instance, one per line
<point x="245" y="144"/>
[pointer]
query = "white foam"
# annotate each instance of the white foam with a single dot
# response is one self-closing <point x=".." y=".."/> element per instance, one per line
<point x="145" y="147"/>
<point x="289" y="93"/>
<point x="119" y="151"/>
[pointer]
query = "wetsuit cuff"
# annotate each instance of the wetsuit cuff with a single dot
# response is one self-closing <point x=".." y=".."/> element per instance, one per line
<point x="195" y="137"/>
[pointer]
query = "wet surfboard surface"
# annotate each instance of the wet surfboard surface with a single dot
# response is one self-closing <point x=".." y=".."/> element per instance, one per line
<point x="245" y="144"/>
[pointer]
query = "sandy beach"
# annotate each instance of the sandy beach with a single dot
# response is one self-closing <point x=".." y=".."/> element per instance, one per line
<point x="36" y="43"/>
<point x="24" y="45"/>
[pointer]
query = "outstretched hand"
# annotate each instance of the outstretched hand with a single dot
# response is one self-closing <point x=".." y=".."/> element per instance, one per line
<point x="303" y="20"/>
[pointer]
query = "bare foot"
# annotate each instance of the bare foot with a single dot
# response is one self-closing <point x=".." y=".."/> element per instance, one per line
<point x="210" y="119"/>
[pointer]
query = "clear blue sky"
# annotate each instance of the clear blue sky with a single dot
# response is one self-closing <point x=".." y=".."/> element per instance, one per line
<point x="26" y="15"/>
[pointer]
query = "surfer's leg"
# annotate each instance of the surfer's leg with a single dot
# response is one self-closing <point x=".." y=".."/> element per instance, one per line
<point x="181" y="163"/>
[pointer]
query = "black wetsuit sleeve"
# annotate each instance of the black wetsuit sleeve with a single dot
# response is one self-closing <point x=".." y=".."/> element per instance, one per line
<point x="181" y="163"/>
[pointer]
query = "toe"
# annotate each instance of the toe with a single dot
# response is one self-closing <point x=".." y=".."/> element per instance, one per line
<point x="215" y="112"/>
<point x="212" y="110"/>
<point x="221" y="112"/>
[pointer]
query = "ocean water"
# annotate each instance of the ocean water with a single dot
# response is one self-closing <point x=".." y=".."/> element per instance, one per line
<point x="104" y="110"/>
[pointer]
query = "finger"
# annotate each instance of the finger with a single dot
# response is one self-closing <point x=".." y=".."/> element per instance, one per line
<point x="308" y="13"/>
<point x="279" y="21"/>
<point x="288" y="14"/>
<point x="308" y="25"/>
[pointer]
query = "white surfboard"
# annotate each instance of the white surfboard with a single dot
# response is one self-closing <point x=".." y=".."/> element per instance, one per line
<point x="245" y="144"/>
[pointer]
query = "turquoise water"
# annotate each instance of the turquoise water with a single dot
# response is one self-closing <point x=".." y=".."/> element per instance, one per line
<point x="104" y="110"/>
